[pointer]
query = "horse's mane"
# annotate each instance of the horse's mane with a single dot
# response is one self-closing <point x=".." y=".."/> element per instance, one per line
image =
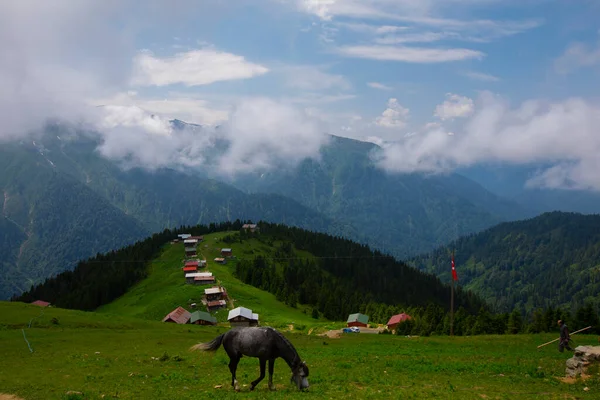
<point x="289" y="345"/>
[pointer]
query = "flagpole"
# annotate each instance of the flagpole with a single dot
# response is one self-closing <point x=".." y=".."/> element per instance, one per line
<point x="452" y="302"/>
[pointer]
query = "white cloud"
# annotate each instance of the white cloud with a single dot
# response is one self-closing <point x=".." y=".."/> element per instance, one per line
<point x="455" y="106"/>
<point x="564" y="134"/>
<point x="480" y="76"/>
<point x="380" y="86"/>
<point x="258" y="134"/>
<point x="265" y="134"/>
<point x="193" y="68"/>
<point x="394" y="116"/>
<point x="42" y="71"/>
<point x="308" y="77"/>
<point x="135" y="138"/>
<point x="408" y="54"/>
<point x="578" y="55"/>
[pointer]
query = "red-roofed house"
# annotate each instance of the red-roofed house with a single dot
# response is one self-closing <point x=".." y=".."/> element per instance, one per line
<point x="397" y="319"/>
<point x="40" y="303"/>
<point x="178" y="316"/>
<point x="190" y="269"/>
<point x="192" y="263"/>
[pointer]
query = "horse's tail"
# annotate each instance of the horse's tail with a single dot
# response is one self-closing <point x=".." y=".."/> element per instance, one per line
<point x="213" y="345"/>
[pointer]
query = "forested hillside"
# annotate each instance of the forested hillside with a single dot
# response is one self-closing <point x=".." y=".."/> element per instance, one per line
<point x="549" y="261"/>
<point x="340" y="276"/>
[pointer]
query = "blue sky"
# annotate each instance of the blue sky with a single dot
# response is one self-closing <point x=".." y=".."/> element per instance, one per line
<point x="509" y="81"/>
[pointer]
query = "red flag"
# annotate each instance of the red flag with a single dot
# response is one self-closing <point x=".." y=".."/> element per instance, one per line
<point x="454" y="276"/>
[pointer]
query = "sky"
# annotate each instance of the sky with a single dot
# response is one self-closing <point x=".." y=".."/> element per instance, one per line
<point x="438" y="84"/>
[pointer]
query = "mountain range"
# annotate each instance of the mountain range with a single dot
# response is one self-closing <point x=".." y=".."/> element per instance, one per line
<point x="64" y="201"/>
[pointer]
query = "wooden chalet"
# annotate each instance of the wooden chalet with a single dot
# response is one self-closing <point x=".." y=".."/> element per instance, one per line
<point x="202" y="318"/>
<point x="204" y="280"/>
<point x="179" y="316"/>
<point x="215" y="304"/>
<point x="220" y="260"/>
<point x="242" y="316"/>
<point x="191" y="276"/>
<point x="357" y="320"/>
<point x="250" y="227"/>
<point x="397" y="319"/>
<point x="190" y="242"/>
<point x="190" y="252"/>
<point x="192" y="263"/>
<point x="215" y="293"/>
<point x="226" y="252"/>
<point x="198" y="238"/>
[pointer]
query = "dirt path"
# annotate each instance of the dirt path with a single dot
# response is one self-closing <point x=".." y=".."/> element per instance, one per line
<point x="4" y="396"/>
<point x="337" y="333"/>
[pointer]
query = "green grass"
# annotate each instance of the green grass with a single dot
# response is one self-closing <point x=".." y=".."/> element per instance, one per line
<point x="165" y="287"/>
<point x="103" y="356"/>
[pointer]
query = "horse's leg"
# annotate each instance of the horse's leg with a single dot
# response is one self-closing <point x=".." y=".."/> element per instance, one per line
<point x="233" y="363"/>
<point x="263" y="364"/>
<point x="271" y="366"/>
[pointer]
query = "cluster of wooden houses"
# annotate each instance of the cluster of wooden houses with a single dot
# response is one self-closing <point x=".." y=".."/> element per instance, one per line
<point x="361" y="320"/>
<point x="239" y="316"/>
<point x="215" y="297"/>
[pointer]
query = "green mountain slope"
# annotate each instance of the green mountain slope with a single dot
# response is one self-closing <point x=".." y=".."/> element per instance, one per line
<point x="334" y="276"/>
<point x="165" y="289"/>
<point x="50" y="221"/>
<point x="69" y="203"/>
<point x="548" y="261"/>
<point x="405" y="214"/>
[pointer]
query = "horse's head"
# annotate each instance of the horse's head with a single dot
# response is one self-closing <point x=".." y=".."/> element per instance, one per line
<point x="300" y="376"/>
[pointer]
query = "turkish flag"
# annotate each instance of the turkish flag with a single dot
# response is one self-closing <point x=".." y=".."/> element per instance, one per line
<point x="454" y="276"/>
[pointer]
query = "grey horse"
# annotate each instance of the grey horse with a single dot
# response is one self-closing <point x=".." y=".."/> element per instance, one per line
<point x="264" y="343"/>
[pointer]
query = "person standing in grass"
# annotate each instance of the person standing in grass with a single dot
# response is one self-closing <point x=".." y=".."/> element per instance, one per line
<point x="564" y="337"/>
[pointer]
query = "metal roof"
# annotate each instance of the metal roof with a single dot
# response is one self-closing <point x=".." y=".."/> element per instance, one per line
<point x="197" y="274"/>
<point x="40" y="303"/>
<point x="202" y="316"/>
<point x="240" y="312"/>
<point x="213" y="290"/>
<point x="190" y="241"/>
<point x="215" y="303"/>
<point x="226" y="250"/>
<point x="184" y="235"/>
<point x="178" y="315"/>
<point x="398" y="318"/>
<point x="358" y="317"/>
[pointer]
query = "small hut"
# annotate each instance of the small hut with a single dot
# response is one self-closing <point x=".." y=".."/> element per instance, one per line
<point x="178" y="316"/>
<point x="357" y="320"/>
<point x="242" y="316"/>
<point x="202" y="318"/>
<point x="397" y="319"/>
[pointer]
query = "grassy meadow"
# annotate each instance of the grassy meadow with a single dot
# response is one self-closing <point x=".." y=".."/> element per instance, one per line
<point x="94" y="356"/>
<point x="123" y="351"/>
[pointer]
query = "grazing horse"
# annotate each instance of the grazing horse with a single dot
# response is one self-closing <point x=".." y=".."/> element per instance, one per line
<point x="264" y="343"/>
